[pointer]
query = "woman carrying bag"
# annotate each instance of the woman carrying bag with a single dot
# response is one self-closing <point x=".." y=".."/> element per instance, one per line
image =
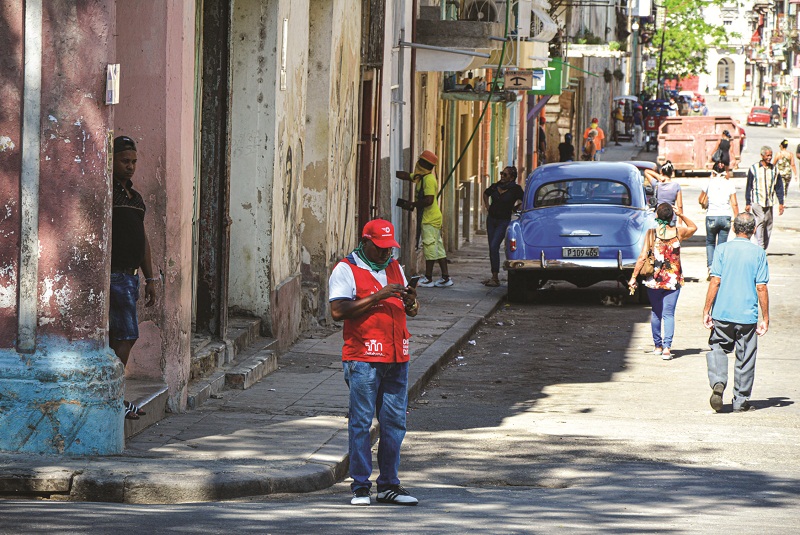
<point x="664" y="284"/>
<point x="719" y="200"/>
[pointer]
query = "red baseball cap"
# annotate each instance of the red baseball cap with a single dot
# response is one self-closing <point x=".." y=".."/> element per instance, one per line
<point x="594" y="120"/>
<point x="381" y="233"/>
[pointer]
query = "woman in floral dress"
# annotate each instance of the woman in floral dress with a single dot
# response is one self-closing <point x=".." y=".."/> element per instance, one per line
<point x="664" y="285"/>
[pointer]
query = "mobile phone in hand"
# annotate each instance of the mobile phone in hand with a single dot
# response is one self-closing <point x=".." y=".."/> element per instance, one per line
<point x="412" y="282"/>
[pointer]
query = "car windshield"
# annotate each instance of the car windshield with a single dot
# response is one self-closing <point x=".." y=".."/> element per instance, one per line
<point x="760" y="111"/>
<point x="582" y="191"/>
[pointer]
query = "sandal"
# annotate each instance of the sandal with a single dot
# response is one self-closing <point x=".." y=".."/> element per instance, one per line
<point x="130" y="414"/>
<point x="134" y="410"/>
<point x="492" y="283"/>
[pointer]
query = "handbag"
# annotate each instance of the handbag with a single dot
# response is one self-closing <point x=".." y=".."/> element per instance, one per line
<point x="649" y="266"/>
<point x="717" y="156"/>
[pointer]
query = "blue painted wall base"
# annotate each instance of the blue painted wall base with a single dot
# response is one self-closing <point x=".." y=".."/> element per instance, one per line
<point x="66" y="399"/>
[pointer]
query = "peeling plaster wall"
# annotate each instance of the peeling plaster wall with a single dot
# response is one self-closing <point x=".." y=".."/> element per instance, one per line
<point x="74" y="192"/>
<point x="329" y="178"/>
<point x="389" y="188"/>
<point x="268" y="129"/>
<point x="255" y="57"/>
<point x="155" y="47"/>
<point x="10" y="166"/>
<point x="64" y="397"/>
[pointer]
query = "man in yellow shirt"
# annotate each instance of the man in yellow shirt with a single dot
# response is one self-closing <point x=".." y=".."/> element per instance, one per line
<point x="426" y="188"/>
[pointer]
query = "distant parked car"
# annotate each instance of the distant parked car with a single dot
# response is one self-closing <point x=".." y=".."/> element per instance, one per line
<point x="581" y="222"/>
<point x="759" y="115"/>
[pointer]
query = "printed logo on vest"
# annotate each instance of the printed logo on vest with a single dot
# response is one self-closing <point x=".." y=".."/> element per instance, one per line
<point x="374" y="348"/>
<point x="405" y="346"/>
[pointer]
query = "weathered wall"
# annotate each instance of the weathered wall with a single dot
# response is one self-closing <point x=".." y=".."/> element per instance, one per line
<point x="254" y="72"/>
<point x="266" y="184"/>
<point x="329" y="177"/>
<point x="10" y="165"/>
<point x="65" y="396"/>
<point x="395" y="119"/>
<point x="155" y="47"/>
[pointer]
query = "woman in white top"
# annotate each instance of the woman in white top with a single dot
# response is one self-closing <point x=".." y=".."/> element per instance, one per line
<point x="719" y="199"/>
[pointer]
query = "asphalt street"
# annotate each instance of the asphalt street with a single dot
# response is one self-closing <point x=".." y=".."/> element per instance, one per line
<point x="556" y="420"/>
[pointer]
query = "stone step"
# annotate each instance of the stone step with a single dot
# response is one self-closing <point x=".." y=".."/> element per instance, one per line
<point x="151" y="397"/>
<point x="250" y="366"/>
<point x="254" y="364"/>
<point x="200" y="391"/>
<point x="242" y="332"/>
<point x="207" y="359"/>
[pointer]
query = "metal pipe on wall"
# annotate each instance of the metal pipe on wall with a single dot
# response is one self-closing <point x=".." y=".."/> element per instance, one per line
<point x="29" y="179"/>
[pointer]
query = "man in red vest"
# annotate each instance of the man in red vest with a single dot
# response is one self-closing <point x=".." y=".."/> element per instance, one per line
<point x="369" y="291"/>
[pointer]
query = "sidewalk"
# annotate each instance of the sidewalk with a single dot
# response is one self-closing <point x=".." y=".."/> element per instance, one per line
<point x="288" y="433"/>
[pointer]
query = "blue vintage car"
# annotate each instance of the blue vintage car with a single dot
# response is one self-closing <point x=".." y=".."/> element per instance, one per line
<point x="581" y="222"/>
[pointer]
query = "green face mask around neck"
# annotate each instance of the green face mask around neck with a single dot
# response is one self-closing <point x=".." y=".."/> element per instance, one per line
<point x="372" y="265"/>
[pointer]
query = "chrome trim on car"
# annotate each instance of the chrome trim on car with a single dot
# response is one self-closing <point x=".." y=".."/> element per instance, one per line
<point x="619" y="258"/>
<point x="584" y="263"/>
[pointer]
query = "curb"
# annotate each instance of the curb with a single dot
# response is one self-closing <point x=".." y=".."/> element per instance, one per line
<point x="196" y="482"/>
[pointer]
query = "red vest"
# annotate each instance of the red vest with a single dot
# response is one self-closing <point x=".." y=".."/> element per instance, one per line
<point x="379" y="335"/>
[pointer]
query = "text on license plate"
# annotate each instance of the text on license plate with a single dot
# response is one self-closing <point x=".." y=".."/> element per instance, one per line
<point x="580" y="252"/>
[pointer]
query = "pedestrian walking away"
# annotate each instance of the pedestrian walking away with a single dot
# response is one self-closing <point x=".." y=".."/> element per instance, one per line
<point x="599" y="138"/>
<point x="369" y="292"/>
<point x="664" y="285"/>
<point x="566" y="150"/>
<point x="666" y="190"/>
<point x="637" y="126"/>
<point x="785" y="165"/>
<point x="722" y="150"/>
<point x="499" y="201"/>
<point x="130" y="252"/>
<point x="718" y="198"/>
<point x="738" y="287"/>
<point x="431" y="219"/>
<point x="763" y="185"/>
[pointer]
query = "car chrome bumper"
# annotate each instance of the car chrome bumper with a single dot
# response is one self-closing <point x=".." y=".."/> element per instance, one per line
<point x="561" y="263"/>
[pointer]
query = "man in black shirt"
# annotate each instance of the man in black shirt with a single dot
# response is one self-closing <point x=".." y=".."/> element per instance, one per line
<point x="566" y="150"/>
<point x="506" y="196"/>
<point x="130" y="251"/>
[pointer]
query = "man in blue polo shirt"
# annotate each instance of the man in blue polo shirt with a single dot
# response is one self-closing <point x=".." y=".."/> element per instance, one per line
<point x="739" y="277"/>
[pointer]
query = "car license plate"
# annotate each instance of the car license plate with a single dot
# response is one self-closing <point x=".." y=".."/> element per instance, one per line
<point x="580" y="252"/>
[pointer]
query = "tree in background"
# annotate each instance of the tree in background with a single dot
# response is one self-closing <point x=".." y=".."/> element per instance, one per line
<point x="687" y="36"/>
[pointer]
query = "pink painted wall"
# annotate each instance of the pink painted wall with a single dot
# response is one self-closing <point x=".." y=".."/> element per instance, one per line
<point x="74" y="210"/>
<point x="155" y="47"/>
<point x="10" y="162"/>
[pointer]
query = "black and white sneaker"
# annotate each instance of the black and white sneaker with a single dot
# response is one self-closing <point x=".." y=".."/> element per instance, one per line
<point x="396" y="495"/>
<point x="360" y="496"/>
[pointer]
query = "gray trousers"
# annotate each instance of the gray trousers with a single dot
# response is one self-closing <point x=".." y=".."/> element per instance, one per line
<point x="763" y="215"/>
<point x="725" y="337"/>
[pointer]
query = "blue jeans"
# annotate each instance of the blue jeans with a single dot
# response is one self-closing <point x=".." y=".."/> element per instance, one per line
<point x="717" y="229"/>
<point x="496" y="231"/>
<point x="380" y="389"/>
<point x="123" y="324"/>
<point x="663" y="303"/>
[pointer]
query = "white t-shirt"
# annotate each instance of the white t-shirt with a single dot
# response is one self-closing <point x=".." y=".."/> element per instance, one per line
<point x="719" y="191"/>
<point x="342" y="284"/>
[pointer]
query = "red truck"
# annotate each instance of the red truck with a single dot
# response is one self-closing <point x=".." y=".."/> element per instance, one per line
<point x="689" y="141"/>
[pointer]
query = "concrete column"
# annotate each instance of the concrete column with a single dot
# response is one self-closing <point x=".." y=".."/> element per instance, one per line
<point x="60" y="385"/>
